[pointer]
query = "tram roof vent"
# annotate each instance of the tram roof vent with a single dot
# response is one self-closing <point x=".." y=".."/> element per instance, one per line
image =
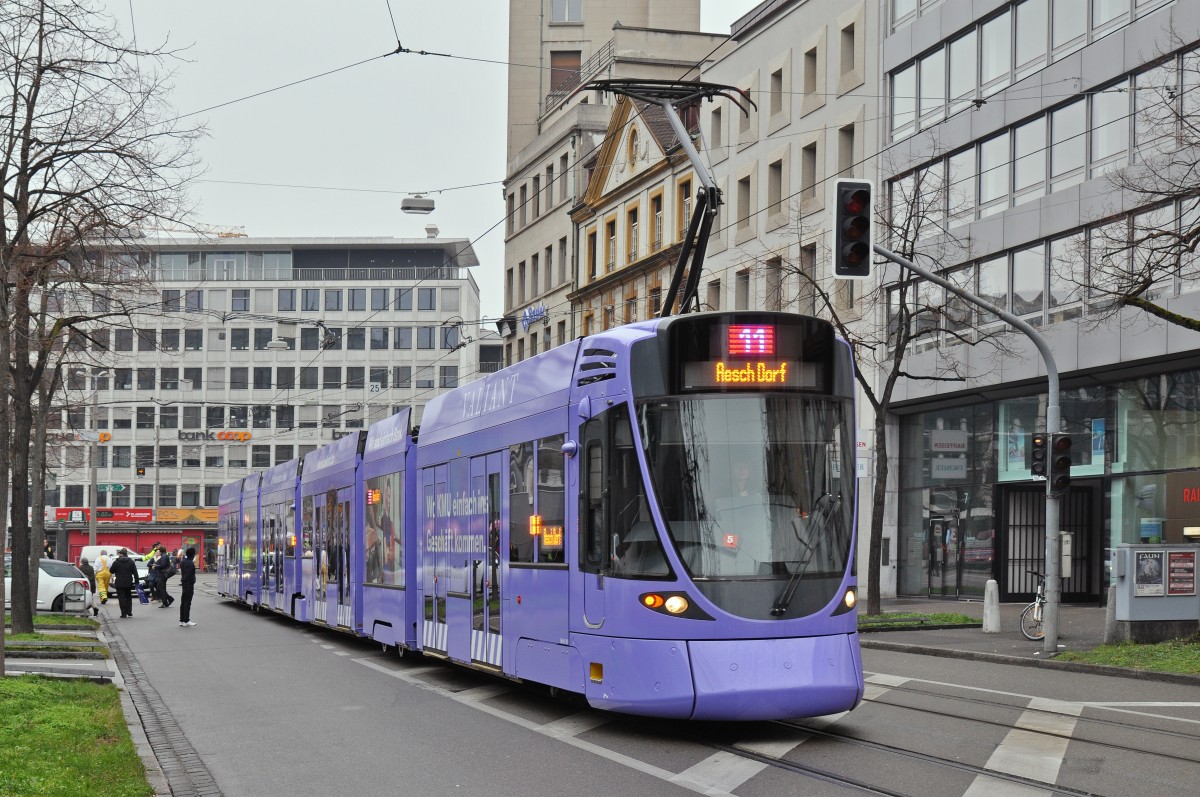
<point x="596" y="365"/>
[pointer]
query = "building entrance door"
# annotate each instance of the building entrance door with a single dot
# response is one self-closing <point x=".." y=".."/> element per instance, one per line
<point x="1021" y="546"/>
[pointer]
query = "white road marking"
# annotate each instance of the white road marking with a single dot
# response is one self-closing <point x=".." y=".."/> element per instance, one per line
<point x="719" y="774"/>
<point x="1034" y="749"/>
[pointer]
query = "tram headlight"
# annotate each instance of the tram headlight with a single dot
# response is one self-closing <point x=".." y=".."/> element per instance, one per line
<point x="673" y="604"/>
<point x="676" y="604"/>
<point x="652" y="601"/>
<point x="850" y="599"/>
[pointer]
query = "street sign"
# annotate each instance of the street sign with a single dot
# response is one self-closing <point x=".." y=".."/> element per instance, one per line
<point x="110" y="488"/>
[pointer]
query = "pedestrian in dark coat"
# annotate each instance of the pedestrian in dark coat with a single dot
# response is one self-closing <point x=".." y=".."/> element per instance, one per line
<point x="187" y="585"/>
<point x="124" y="576"/>
<point x="165" y="567"/>
<point x="86" y="568"/>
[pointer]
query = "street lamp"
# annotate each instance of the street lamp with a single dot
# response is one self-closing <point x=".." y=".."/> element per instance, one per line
<point x="95" y="438"/>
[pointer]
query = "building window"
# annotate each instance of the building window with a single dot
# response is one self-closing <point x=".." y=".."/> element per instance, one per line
<point x="287" y="299"/>
<point x="564" y="73"/>
<point x="379" y="337"/>
<point x="239" y="378"/>
<point x="333" y="299"/>
<point x="403" y="338"/>
<point x="262" y="378"/>
<point x="631" y="229"/>
<point x="310" y="300"/>
<point x="239" y="417"/>
<point x="239" y="339"/>
<point x="404" y="299"/>
<point x="240" y="300"/>
<point x="356" y="339"/>
<point x="379" y="298"/>
<point x="171" y="302"/>
<point x="448" y="376"/>
<point x="427" y="298"/>
<point x="356" y="299"/>
<point x="775" y="188"/>
<point x="566" y="11"/>
<point x="685" y="208"/>
<point x="745" y="209"/>
<point x="331" y="378"/>
<point x="610" y="245"/>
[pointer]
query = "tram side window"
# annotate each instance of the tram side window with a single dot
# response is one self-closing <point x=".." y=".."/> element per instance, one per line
<point x="593" y="552"/>
<point x="550" y="480"/>
<point x="636" y="548"/>
<point x="520" y="502"/>
<point x="618" y="533"/>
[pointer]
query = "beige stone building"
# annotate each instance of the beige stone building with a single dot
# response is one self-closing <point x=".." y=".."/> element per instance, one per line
<point x="555" y="47"/>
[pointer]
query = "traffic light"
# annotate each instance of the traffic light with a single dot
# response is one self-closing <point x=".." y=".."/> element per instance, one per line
<point x="141" y="471"/>
<point x="1060" y="463"/>
<point x="1038" y="467"/>
<point x="852" y="229"/>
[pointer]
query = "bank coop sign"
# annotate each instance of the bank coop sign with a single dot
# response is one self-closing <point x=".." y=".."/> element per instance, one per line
<point x="224" y="436"/>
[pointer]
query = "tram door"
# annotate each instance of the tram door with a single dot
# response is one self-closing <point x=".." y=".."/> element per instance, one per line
<point x="435" y="565"/>
<point x="944" y="559"/>
<point x="485" y="566"/>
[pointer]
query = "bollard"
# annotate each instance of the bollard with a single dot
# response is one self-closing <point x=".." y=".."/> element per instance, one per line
<point x="991" y="607"/>
<point x="1110" y="616"/>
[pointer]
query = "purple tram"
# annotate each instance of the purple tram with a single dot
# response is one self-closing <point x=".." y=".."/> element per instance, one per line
<point x="278" y="499"/>
<point x="229" y="530"/>
<point x="659" y="517"/>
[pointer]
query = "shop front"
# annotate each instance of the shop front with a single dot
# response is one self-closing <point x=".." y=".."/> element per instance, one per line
<point x="970" y="509"/>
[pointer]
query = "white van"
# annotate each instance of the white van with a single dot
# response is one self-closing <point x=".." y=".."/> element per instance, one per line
<point x="92" y="554"/>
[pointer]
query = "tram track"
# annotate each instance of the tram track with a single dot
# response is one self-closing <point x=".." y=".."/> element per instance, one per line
<point x="1142" y="731"/>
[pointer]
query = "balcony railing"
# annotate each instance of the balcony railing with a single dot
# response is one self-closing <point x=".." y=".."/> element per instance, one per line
<point x="597" y="63"/>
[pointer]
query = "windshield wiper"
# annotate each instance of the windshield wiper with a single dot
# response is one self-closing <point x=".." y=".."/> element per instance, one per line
<point x="823" y="514"/>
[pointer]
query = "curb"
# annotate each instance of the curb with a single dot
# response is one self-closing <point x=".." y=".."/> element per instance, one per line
<point x="137" y="732"/>
<point x="1051" y="664"/>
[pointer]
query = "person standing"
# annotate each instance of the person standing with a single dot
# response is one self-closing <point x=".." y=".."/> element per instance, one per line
<point x="103" y="574"/>
<point x="86" y="568"/>
<point x="166" y="568"/>
<point x="187" y="585"/>
<point x="124" y="575"/>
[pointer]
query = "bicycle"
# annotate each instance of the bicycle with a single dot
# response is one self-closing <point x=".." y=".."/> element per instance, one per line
<point x="1031" y="615"/>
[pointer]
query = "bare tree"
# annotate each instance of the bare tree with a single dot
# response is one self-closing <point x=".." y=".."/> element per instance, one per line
<point x="90" y="155"/>
<point x="1136" y="259"/>
<point x="892" y="317"/>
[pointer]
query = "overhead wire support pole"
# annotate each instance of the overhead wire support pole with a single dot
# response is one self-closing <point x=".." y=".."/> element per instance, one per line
<point x="1053" y="423"/>
<point x="670" y="96"/>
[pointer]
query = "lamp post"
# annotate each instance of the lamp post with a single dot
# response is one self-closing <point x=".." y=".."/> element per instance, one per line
<point x="95" y="439"/>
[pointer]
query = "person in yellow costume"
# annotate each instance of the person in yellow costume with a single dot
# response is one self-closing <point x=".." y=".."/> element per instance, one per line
<point x="103" y="575"/>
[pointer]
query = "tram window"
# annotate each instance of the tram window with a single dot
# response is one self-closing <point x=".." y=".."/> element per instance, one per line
<point x="520" y="502"/>
<point x="550" y="481"/>
<point x="595" y="536"/>
<point x="636" y="548"/>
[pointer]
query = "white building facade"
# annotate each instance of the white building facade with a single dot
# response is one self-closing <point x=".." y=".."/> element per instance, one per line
<point x="254" y="351"/>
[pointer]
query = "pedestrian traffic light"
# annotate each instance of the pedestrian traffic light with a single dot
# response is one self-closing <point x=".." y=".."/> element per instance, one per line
<point x="852" y="229"/>
<point x="141" y="471"/>
<point x="1060" y="463"/>
<point x="1038" y="466"/>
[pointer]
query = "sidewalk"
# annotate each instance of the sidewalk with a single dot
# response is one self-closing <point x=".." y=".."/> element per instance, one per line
<point x="1080" y="627"/>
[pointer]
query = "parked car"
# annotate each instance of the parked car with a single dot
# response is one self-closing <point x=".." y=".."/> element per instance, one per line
<point x="61" y="586"/>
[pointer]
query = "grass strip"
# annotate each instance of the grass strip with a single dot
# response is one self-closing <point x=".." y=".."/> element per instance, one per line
<point x="1179" y="656"/>
<point x="915" y="619"/>
<point x="58" y="619"/>
<point x="61" y="736"/>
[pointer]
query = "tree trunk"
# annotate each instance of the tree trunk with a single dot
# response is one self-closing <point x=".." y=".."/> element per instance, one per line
<point x="879" y="499"/>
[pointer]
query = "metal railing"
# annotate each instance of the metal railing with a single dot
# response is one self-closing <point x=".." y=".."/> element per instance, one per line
<point x="597" y="63"/>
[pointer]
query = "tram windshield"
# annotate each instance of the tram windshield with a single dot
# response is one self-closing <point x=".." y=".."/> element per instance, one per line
<point x="753" y="486"/>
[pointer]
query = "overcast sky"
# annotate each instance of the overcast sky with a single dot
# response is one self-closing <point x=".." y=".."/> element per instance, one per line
<point x="379" y="131"/>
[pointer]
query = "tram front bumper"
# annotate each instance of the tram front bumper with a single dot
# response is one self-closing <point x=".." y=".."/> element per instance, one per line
<point x="760" y="679"/>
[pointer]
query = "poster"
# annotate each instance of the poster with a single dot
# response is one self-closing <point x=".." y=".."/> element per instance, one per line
<point x="1016" y="450"/>
<point x="1181" y="573"/>
<point x="1097" y="440"/>
<point x="1149" y="577"/>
